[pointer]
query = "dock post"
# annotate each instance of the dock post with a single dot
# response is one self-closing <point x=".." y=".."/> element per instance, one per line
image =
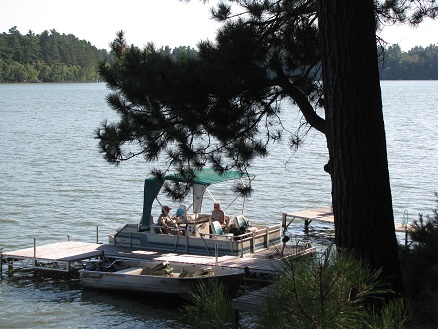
<point x="405" y="225"/>
<point x="235" y="318"/>
<point x="241" y="248"/>
<point x="97" y="234"/>
<point x="34" y="248"/>
<point x="306" y="225"/>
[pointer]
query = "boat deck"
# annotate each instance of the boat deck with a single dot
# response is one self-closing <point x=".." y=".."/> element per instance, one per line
<point x="69" y="256"/>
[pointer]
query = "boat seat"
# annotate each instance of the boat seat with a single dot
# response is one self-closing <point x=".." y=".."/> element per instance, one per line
<point x="216" y="229"/>
<point x="242" y="223"/>
<point x="181" y="213"/>
<point x="154" y="227"/>
<point x="229" y="220"/>
<point x="148" y="227"/>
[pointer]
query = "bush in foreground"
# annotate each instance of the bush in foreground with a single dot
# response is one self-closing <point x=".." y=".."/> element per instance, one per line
<point x="336" y="291"/>
<point x="419" y="264"/>
<point x="209" y="307"/>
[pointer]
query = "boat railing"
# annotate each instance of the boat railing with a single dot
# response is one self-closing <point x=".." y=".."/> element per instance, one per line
<point x="240" y="239"/>
<point x="129" y="228"/>
<point x="257" y="238"/>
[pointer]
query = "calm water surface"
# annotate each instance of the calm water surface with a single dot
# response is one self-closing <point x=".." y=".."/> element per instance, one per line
<point x="54" y="184"/>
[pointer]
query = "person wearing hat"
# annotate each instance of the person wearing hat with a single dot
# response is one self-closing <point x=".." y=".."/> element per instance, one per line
<point x="165" y="221"/>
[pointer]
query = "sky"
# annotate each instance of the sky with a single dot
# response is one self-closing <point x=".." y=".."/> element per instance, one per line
<point x="164" y="22"/>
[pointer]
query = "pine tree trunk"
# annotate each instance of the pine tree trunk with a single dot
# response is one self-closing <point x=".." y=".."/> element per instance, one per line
<point x="362" y="202"/>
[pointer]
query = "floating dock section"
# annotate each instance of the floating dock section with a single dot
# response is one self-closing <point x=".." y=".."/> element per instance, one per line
<point x="62" y="256"/>
<point x="250" y="302"/>
<point x="70" y="256"/>
<point x="322" y="215"/>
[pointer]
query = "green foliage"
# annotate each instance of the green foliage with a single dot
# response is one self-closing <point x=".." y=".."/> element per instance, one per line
<point x="417" y="64"/>
<point x="420" y="267"/>
<point x="395" y="314"/>
<point x="49" y="57"/>
<point x="336" y="291"/>
<point x="209" y="307"/>
<point x="237" y="83"/>
<point x="222" y="106"/>
<point x="332" y="292"/>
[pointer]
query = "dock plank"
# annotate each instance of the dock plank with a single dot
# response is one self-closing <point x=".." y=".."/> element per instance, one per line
<point x="320" y="214"/>
<point x="73" y="251"/>
<point x="325" y="215"/>
<point x="65" y="251"/>
<point x="250" y="302"/>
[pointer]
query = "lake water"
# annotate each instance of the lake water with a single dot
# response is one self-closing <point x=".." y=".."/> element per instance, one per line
<point x="54" y="183"/>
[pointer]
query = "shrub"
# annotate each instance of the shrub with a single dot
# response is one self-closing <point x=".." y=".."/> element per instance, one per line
<point x="209" y="306"/>
<point x="335" y="291"/>
<point x="419" y="265"/>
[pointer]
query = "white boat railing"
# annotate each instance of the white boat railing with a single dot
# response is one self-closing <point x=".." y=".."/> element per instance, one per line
<point x="257" y="238"/>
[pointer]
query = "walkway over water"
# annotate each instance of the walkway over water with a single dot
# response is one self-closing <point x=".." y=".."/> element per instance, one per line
<point x="69" y="256"/>
<point x="250" y="302"/>
<point x="323" y="215"/>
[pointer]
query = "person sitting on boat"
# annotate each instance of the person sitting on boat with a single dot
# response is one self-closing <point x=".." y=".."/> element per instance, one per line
<point x="165" y="221"/>
<point x="219" y="215"/>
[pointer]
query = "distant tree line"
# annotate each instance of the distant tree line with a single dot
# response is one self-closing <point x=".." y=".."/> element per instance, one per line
<point x="54" y="57"/>
<point x="47" y="57"/>
<point x="417" y="64"/>
<point x="180" y="53"/>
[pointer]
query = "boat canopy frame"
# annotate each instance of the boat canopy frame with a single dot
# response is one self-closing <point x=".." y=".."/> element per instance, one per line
<point x="203" y="179"/>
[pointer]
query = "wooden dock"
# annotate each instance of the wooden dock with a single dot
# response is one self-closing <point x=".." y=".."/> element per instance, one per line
<point x="322" y="215"/>
<point x="250" y="303"/>
<point x="70" y="256"/>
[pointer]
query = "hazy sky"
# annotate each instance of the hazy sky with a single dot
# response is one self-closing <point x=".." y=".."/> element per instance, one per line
<point x="163" y="22"/>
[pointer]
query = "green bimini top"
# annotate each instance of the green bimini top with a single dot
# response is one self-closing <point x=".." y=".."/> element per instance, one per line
<point x="209" y="176"/>
<point x="204" y="178"/>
